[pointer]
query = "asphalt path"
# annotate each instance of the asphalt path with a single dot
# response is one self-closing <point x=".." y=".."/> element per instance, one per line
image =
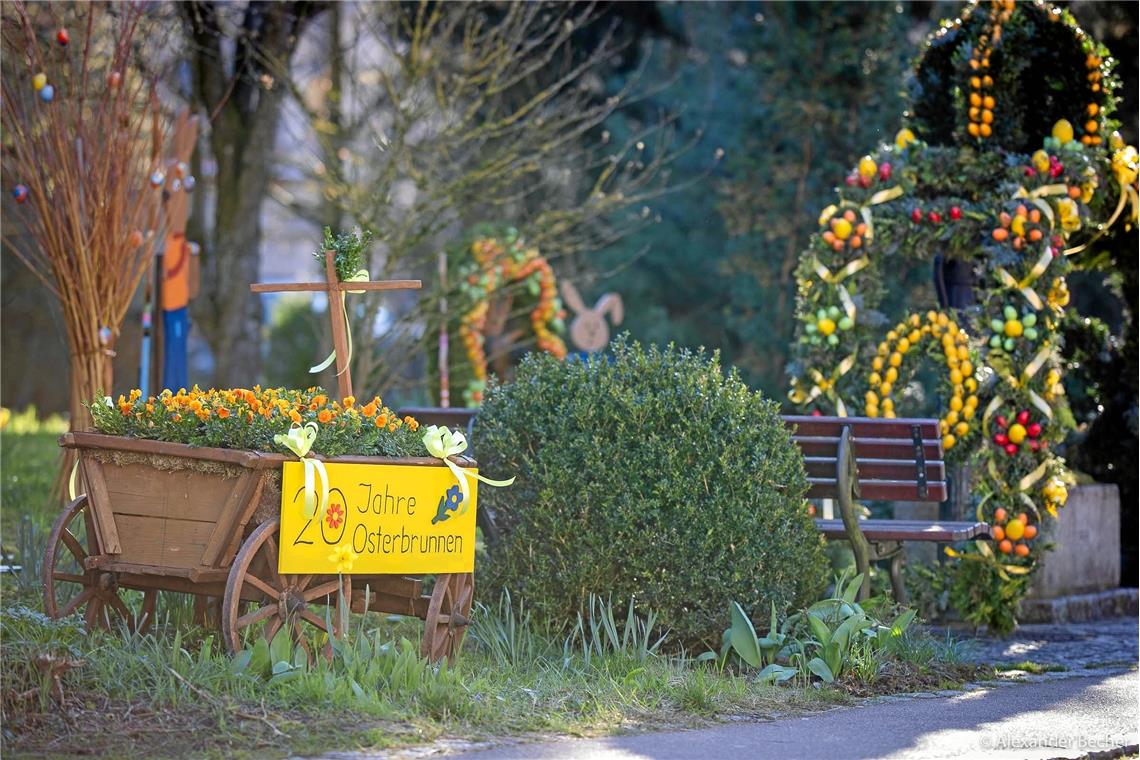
<point x="1056" y="718"/>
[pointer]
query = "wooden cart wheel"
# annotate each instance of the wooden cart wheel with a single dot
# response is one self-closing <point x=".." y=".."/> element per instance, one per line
<point x="69" y="584"/>
<point x="448" y="614"/>
<point x="276" y="600"/>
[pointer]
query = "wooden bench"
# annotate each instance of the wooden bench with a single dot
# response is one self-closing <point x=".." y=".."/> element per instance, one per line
<point x="846" y="458"/>
<point x="849" y="458"/>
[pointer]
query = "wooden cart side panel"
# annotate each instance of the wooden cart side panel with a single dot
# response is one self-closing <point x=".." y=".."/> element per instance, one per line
<point x="235" y="513"/>
<point x="136" y="489"/>
<point x="230" y="550"/>
<point x="165" y="516"/>
<point x="163" y="541"/>
<point x="105" y="528"/>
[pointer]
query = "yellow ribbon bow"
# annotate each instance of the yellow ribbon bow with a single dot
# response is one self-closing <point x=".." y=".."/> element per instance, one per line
<point x="360" y="276"/>
<point x="300" y="440"/>
<point x="441" y="443"/>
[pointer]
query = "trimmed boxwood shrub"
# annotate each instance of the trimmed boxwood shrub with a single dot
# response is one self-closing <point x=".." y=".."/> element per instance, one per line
<point x="647" y="474"/>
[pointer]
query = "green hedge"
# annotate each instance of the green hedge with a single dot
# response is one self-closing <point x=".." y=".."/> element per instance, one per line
<point x="645" y="474"/>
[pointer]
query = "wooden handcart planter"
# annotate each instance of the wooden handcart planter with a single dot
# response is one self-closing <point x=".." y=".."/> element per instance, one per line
<point x="170" y="517"/>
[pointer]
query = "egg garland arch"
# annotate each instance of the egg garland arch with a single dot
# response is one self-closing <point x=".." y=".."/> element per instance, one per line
<point x="1007" y="167"/>
<point x="493" y="261"/>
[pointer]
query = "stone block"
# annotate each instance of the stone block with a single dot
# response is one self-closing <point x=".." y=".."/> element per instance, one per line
<point x="1102" y="605"/>
<point x="1086" y="535"/>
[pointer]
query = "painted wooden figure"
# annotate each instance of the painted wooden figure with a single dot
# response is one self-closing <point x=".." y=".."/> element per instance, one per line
<point x="179" y="260"/>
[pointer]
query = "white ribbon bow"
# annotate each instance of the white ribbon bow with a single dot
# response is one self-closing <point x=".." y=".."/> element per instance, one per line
<point x="442" y="443"/>
<point x="300" y="440"/>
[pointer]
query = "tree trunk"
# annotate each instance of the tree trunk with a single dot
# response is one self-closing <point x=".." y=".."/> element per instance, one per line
<point x="238" y="87"/>
<point x="226" y="312"/>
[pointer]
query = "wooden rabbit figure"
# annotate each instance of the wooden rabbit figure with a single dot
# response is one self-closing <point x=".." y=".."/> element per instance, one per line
<point x="588" y="330"/>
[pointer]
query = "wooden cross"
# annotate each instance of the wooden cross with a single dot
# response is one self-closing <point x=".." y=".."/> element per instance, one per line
<point x="336" y="289"/>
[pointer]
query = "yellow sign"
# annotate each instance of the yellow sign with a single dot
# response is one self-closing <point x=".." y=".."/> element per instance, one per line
<point x="380" y="519"/>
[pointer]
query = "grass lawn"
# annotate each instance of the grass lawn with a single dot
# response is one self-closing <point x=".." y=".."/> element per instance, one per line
<point x="175" y="693"/>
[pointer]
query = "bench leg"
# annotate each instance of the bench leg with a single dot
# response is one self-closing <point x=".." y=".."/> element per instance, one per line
<point x="847" y="483"/>
<point x="898" y="588"/>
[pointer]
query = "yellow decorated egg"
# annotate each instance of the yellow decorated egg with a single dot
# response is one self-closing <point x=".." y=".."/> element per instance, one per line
<point x="1063" y="131"/>
<point x="1016" y="433"/>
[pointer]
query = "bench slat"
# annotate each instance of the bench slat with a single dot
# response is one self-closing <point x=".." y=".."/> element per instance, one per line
<point x="863" y="426"/>
<point x="883" y="448"/>
<point x="876" y="469"/>
<point x="887" y="490"/>
<point x="907" y="530"/>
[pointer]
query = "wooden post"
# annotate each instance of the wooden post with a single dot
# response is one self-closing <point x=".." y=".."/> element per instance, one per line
<point x="444" y="370"/>
<point x="335" y="290"/>
<point x="339" y="331"/>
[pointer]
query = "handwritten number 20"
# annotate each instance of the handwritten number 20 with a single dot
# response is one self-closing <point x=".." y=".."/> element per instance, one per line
<point x="331" y="540"/>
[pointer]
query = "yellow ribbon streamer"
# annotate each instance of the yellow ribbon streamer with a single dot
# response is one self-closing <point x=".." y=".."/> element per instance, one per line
<point x="836" y="278"/>
<point x="991" y="407"/>
<point x="827" y="213"/>
<point x="441" y="443"/>
<point x="848" y="303"/>
<point x="1028" y="502"/>
<point x="1027" y="482"/>
<point x="850" y="268"/>
<point x="885" y="195"/>
<point x="822" y="385"/>
<point x="1127" y="193"/>
<point x="1045" y="190"/>
<point x="1036" y="364"/>
<point x="300" y="440"/>
<point x="360" y="276"/>
<point x="1041" y="404"/>
<point x="73" y="482"/>
<point x="880" y="197"/>
<point x="1023" y="285"/>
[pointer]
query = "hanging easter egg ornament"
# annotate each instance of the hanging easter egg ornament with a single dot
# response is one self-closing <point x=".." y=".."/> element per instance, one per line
<point x="47" y="93"/>
<point x="63" y="37"/>
<point x="104" y="336"/>
<point x="39" y="81"/>
<point x="135" y="239"/>
<point x="157" y="178"/>
<point x="114" y="79"/>
<point x="189" y="182"/>
<point x="20" y="193"/>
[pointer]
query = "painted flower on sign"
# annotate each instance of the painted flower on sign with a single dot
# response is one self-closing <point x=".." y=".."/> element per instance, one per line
<point x="334" y="516"/>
